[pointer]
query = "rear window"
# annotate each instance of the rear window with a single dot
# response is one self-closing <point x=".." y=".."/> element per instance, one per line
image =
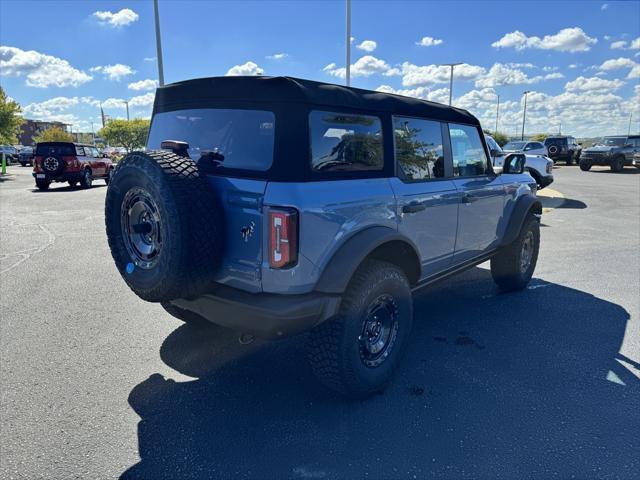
<point x="342" y="142"/>
<point x="55" y="149"/>
<point x="555" y="141"/>
<point x="243" y="138"/>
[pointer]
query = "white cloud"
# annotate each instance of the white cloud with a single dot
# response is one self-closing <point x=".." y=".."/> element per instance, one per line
<point x="363" y="67"/>
<point x="417" y="75"/>
<point x="119" y="19"/>
<point x="429" y="42"/>
<point x="147" y="84"/>
<point x="604" y="6"/>
<point x="549" y="69"/>
<point x="634" y="73"/>
<point x="553" y="76"/>
<point x="566" y="40"/>
<point x="523" y="65"/>
<point x="277" y="56"/>
<point x="248" y="68"/>
<point x="500" y="74"/>
<point x="140" y="101"/>
<point x="367" y="46"/>
<point x="573" y="65"/>
<point x="149" y="59"/>
<point x="607" y="37"/>
<point x="635" y="44"/>
<point x="619" y="45"/>
<point x="40" y="70"/>
<point x="112" y="103"/>
<point x="114" y="72"/>
<point x="583" y="84"/>
<point x="617" y="63"/>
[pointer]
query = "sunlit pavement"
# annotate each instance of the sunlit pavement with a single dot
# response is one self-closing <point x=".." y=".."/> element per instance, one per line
<point x="543" y="383"/>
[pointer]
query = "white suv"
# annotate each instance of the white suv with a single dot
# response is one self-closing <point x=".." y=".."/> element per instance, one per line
<point x="540" y="167"/>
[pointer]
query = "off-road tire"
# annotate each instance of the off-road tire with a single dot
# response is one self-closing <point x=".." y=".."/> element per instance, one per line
<point x="506" y="264"/>
<point x="190" y="225"/>
<point x="73" y="183"/>
<point x="585" y="166"/>
<point x="570" y="158"/>
<point x="184" y="315"/>
<point x="334" y="347"/>
<point x="617" y="164"/>
<point x="43" y="184"/>
<point x="86" y="180"/>
<point x="109" y="176"/>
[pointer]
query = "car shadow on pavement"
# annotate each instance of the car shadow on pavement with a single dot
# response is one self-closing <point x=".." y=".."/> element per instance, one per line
<point x="66" y="188"/>
<point x="626" y="170"/>
<point x="492" y="385"/>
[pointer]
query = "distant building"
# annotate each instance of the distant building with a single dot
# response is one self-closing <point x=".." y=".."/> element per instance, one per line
<point x="32" y="128"/>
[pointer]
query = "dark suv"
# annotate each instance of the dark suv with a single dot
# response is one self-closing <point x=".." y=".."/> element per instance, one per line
<point x="276" y="206"/>
<point x="563" y="147"/>
<point x="69" y="162"/>
<point x="616" y="152"/>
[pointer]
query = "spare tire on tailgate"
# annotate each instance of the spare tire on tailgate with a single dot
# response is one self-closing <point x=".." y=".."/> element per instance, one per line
<point x="164" y="226"/>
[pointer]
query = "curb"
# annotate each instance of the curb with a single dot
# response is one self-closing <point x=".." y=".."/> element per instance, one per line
<point x="550" y="199"/>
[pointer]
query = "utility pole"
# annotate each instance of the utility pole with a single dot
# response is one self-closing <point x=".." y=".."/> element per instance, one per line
<point x="560" y="128"/>
<point x="497" y="113"/>
<point x="158" y="44"/>
<point x="348" y="40"/>
<point x="452" y="65"/>
<point x="126" y="102"/>
<point x="629" y="130"/>
<point x="524" y="114"/>
<point x="93" y="134"/>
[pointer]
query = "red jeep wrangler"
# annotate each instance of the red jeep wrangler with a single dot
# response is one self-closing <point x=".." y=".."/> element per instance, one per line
<point x="69" y="162"/>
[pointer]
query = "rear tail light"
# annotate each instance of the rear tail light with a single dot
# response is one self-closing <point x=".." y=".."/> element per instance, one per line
<point x="283" y="238"/>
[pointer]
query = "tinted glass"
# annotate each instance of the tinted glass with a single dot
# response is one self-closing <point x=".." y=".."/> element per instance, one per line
<point x="418" y="148"/>
<point x="344" y="142"/>
<point x="80" y="151"/>
<point x="239" y="138"/>
<point x="55" y="149"/>
<point x="514" y="146"/>
<point x="493" y="145"/>
<point x="95" y="152"/>
<point x="555" y="141"/>
<point x="612" y="141"/>
<point x="635" y="142"/>
<point x="469" y="157"/>
<point x="536" y="145"/>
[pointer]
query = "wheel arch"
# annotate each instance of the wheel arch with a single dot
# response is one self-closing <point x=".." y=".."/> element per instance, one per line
<point x="380" y="243"/>
<point x="525" y="206"/>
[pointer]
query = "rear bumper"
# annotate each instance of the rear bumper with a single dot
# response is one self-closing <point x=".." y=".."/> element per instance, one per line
<point x="62" y="177"/>
<point x="264" y="315"/>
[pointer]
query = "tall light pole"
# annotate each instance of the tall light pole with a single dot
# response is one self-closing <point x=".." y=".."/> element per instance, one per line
<point x="158" y="44"/>
<point x="452" y="65"/>
<point x="497" y="113"/>
<point x="126" y="102"/>
<point x="629" y="130"/>
<point x="524" y="114"/>
<point x="348" y="41"/>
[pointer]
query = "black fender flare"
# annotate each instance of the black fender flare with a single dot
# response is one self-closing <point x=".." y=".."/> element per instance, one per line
<point x="524" y="206"/>
<point x="349" y="256"/>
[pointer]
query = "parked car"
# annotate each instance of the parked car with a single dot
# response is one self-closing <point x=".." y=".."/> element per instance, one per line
<point x="614" y="151"/>
<point x="528" y="148"/>
<point x="10" y="153"/>
<point x="25" y="156"/>
<point x="562" y="147"/>
<point x="539" y="167"/>
<point x="69" y="162"/>
<point x="277" y="206"/>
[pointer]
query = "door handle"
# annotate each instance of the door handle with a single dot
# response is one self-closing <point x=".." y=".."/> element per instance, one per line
<point x="413" y="207"/>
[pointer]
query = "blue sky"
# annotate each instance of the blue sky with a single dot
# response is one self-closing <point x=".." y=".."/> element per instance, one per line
<point x="580" y="60"/>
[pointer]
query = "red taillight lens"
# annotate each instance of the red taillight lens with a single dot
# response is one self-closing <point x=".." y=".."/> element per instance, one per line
<point x="283" y="238"/>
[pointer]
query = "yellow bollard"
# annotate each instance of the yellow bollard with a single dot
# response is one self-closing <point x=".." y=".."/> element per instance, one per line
<point x="4" y="164"/>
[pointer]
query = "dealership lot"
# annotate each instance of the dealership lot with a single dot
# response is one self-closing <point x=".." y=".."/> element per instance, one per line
<point x="96" y="383"/>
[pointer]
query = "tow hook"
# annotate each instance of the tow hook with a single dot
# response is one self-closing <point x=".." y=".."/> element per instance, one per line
<point x="246" y="339"/>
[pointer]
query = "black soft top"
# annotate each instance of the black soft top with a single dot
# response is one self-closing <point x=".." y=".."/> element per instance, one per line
<point x="260" y="90"/>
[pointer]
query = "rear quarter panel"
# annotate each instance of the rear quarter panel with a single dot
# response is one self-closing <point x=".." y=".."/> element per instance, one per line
<point x="330" y="212"/>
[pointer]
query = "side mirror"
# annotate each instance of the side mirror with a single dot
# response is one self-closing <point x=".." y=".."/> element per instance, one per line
<point x="514" y="163"/>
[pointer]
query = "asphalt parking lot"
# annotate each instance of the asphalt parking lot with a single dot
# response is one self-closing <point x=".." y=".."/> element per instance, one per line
<point x="544" y="383"/>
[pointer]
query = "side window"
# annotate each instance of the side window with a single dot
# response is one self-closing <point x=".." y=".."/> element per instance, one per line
<point x="343" y="142"/>
<point x="80" y="151"/>
<point x="94" y="152"/>
<point x="529" y="146"/>
<point x="636" y="142"/>
<point x="418" y="148"/>
<point x="536" y="145"/>
<point x="469" y="157"/>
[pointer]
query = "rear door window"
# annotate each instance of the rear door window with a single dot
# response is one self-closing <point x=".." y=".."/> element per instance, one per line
<point x="469" y="157"/>
<point x="418" y="148"/>
<point x="55" y="149"/>
<point x="344" y="142"/>
<point x="239" y="139"/>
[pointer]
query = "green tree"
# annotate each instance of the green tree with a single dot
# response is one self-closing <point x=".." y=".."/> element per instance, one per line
<point x="539" y="137"/>
<point x="53" y="134"/>
<point x="130" y="134"/>
<point x="10" y="119"/>
<point x="500" y="138"/>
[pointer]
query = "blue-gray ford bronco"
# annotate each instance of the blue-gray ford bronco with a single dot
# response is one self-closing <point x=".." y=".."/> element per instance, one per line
<point x="276" y="206"/>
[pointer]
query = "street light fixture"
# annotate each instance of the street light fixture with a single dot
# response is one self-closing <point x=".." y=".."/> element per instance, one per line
<point x="452" y="65"/>
<point x="524" y="114"/>
<point x="126" y="102"/>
